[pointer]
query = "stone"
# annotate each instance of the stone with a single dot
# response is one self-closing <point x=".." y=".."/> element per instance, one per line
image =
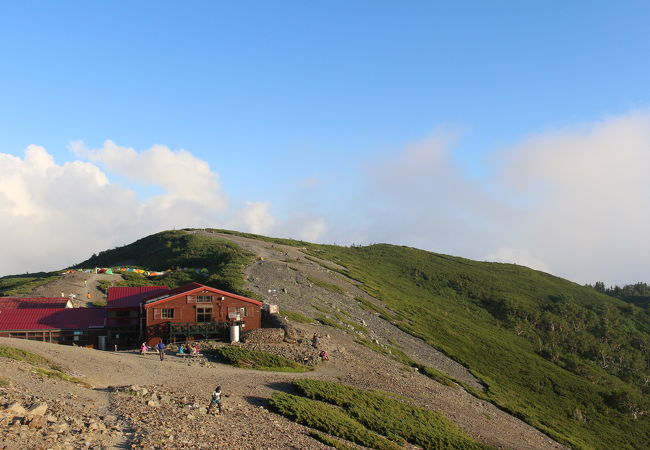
<point x="37" y="422"/>
<point x="16" y="408"/>
<point x="37" y="409"/>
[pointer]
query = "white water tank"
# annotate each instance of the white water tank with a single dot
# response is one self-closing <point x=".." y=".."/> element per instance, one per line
<point x="101" y="342"/>
<point x="234" y="333"/>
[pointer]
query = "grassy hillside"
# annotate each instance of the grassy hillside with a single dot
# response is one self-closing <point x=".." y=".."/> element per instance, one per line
<point x="20" y="285"/>
<point x="570" y="360"/>
<point x="216" y="262"/>
<point x="563" y="357"/>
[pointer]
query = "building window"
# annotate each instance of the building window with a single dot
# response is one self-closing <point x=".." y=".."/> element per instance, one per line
<point x="203" y="299"/>
<point x="241" y="312"/>
<point x="122" y="313"/>
<point x="204" y="314"/>
<point x="167" y="313"/>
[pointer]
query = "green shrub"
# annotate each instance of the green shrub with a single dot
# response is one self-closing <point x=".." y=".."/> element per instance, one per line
<point x="329" y="419"/>
<point x="329" y="322"/>
<point x="60" y="375"/>
<point x="295" y="316"/>
<point x="338" y="445"/>
<point x="255" y="359"/>
<point x="22" y="355"/>
<point x="325" y="285"/>
<point x="388" y="416"/>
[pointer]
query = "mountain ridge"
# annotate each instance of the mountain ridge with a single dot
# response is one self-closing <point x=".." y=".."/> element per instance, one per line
<point x="490" y="317"/>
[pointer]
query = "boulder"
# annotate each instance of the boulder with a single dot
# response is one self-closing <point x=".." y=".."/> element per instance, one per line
<point x="37" y="422"/>
<point x="16" y="408"/>
<point x="37" y="409"/>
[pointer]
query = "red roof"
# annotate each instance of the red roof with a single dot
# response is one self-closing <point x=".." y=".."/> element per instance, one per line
<point x="191" y="288"/>
<point x="33" y="302"/>
<point x="131" y="297"/>
<point x="52" y="318"/>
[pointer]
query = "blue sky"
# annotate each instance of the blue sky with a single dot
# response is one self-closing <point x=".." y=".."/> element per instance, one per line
<point x="304" y="106"/>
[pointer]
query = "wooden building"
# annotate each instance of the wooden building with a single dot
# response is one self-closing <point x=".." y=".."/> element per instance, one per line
<point x="196" y="311"/>
<point x="132" y="314"/>
<point x="124" y="325"/>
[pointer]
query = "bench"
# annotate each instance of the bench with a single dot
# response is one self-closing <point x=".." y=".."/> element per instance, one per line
<point x="195" y="355"/>
<point x="148" y="352"/>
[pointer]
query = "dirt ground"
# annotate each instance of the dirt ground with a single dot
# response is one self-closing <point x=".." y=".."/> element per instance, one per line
<point x="83" y="286"/>
<point x="247" y="393"/>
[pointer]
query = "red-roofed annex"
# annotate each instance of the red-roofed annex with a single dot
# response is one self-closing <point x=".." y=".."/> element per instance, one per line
<point x="79" y="326"/>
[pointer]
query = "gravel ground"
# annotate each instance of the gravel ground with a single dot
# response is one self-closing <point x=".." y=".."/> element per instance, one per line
<point x="169" y="422"/>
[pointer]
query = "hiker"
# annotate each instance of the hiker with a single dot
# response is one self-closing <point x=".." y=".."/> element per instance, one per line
<point x="143" y="348"/>
<point x="195" y="350"/>
<point x="324" y="356"/>
<point x="314" y="341"/>
<point x="161" y="349"/>
<point x="216" y="400"/>
<point x="181" y="350"/>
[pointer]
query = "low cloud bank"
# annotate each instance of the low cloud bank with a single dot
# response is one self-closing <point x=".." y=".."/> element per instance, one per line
<point x="573" y="202"/>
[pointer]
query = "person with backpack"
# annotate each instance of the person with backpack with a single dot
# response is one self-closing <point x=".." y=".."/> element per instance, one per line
<point x="161" y="349"/>
<point x="215" y="401"/>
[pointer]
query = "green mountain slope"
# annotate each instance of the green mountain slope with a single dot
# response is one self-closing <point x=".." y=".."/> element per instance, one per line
<point x="565" y="358"/>
<point x="211" y="261"/>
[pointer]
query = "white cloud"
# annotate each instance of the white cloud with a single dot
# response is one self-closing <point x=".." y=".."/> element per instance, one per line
<point x="573" y="202"/>
<point x="179" y="173"/>
<point x="589" y="192"/>
<point x="255" y="217"/>
<point x="518" y="256"/>
<point x="55" y="215"/>
<point x="305" y="227"/>
<point x="419" y="197"/>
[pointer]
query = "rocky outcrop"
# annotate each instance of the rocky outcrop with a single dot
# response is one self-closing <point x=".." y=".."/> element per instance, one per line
<point x="278" y="321"/>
